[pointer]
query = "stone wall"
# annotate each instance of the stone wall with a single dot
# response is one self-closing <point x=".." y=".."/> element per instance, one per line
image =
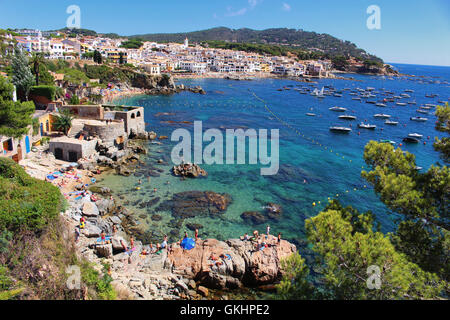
<point x="86" y="112"/>
<point x="133" y="119"/>
<point x="107" y="132"/>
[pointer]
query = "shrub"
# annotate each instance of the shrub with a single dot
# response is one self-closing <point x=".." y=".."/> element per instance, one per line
<point x="26" y="203"/>
<point x="45" y="91"/>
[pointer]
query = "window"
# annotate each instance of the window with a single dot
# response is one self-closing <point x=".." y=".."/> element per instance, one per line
<point x="133" y="116"/>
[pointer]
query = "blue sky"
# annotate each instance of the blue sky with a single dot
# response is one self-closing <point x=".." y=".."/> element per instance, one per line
<point x="412" y="31"/>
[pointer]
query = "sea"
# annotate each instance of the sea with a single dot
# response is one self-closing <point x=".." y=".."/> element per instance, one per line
<point x="315" y="164"/>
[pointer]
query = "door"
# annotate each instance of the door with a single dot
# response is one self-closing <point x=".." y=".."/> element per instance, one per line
<point x="42" y="129"/>
<point x="59" y="153"/>
<point x="73" y="156"/>
<point x="27" y="144"/>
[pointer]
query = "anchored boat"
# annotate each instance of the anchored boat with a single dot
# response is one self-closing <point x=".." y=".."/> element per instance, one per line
<point x="347" y="117"/>
<point x="419" y="119"/>
<point x="367" y="126"/>
<point x="340" y="129"/>
<point x="339" y="109"/>
<point x="382" y="116"/>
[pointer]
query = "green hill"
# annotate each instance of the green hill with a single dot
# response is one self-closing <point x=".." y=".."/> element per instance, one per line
<point x="298" y="39"/>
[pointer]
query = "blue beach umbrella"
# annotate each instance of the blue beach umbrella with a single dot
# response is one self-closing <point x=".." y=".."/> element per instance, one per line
<point x="188" y="244"/>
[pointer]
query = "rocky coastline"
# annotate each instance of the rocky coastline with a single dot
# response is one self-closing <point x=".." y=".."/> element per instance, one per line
<point x="138" y="270"/>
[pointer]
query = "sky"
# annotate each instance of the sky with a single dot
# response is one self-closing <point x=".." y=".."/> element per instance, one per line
<point x="411" y="31"/>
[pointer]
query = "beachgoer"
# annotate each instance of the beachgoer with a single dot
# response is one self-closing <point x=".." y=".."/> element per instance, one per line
<point x="140" y="181"/>
<point x="114" y="229"/>
<point x="103" y="237"/>
<point x="82" y="223"/>
<point x="196" y="235"/>
<point x="279" y="238"/>
<point x="77" y="234"/>
<point x="186" y="235"/>
<point x="268" y="230"/>
<point x="164" y="243"/>
<point x="132" y="242"/>
<point x="256" y="234"/>
<point x="155" y="190"/>
<point x="246" y="237"/>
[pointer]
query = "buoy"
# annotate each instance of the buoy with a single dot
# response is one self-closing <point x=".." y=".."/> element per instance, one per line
<point x="314" y="204"/>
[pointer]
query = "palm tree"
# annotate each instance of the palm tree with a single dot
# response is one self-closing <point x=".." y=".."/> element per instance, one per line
<point x="63" y="122"/>
<point x="36" y="60"/>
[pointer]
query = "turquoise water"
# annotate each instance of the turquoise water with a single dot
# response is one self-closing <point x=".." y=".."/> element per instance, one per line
<point x="230" y="105"/>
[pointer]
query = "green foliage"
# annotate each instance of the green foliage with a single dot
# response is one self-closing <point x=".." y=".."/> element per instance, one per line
<point x="25" y="202"/>
<point x="15" y="117"/>
<point x="36" y="61"/>
<point x="294" y="284"/>
<point x="340" y="63"/>
<point x="35" y="124"/>
<point x="74" y="76"/>
<point x="106" y="74"/>
<point x="63" y="122"/>
<point x="132" y="44"/>
<point x="101" y="284"/>
<point x="443" y="125"/>
<point x="45" y="91"/>
<point x="22" y="77"/>
<point x="74" y="100"/>
<point x="347" y="255"/>
<point x="57" y="65"/>
<point x="98" y="58"/>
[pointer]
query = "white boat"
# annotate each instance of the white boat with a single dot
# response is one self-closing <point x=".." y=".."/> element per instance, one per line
<point x="367" y="126"/>
<point x="382" y="116"/>
<point x="412" y="102"/>
<point x="415" y="135"/>
<point x="338" y="95"/>
<point x="430" y="105"/>
<point x="401" y="104"/>
<point x="357" y="98"/>
<point x="409" y="90"/>
<point x="422" y="111"/>
<point x="339" y="109"/>
<point x="419" y="119"/>
<point x="381" y="105"/>
<point x="340" y="129"/>
<point x="347" y="117"/>
<point x="311" y="114"/>
<point x="391" y="123"/>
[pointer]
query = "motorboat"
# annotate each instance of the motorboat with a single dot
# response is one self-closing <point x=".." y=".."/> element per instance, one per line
<point x="339" y="109"/>
<point x="311" y="114"/>
<point x="415" y="135"/>
<point x="367" y="126"/>
<point x="391" y="123"/>
<point x="422" y="111"/>
<point x="347" y="117"/>
<point x="381" y="105"/>
<point x="419" y="119"/>
<point x="401" y="103"/>
<point x="411" y="140"/>
<point x="382" y="116"/>
<point x="388" y="141"/>
<point x="340" y="129"/>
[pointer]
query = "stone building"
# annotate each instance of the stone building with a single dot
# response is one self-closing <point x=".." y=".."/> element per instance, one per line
<point x="71" y="150"/>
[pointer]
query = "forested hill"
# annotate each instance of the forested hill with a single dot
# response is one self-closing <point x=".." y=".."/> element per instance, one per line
<point x="308" y="41"/>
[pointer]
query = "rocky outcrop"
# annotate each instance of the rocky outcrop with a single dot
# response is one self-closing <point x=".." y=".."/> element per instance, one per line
<point x="232" y="264"/>
<point x="189" y="171"/>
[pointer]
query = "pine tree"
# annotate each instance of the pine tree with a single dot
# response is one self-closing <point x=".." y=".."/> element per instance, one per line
<point x="22" y="78"/>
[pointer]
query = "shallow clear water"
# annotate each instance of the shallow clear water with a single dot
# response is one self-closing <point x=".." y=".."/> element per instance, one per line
<point x="304" y="156"/>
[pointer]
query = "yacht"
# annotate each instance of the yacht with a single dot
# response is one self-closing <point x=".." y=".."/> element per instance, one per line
<point x="415" y="135"/>
<point x="391" y="123"/>
<point x="341" y="129"/>
<point x="367" y="126"/>
<point x="382" y="116"/>
<point x="311" y="114"/>
<point x="347" y="117"/>
<point x="339" y="109"/>
<point x="419" y="119"/>
<point x="411" y="140"/>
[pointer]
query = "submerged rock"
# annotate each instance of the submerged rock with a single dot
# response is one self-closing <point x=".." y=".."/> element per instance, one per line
<point x="196" y="203"/>
<point x="253" y="217"/>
